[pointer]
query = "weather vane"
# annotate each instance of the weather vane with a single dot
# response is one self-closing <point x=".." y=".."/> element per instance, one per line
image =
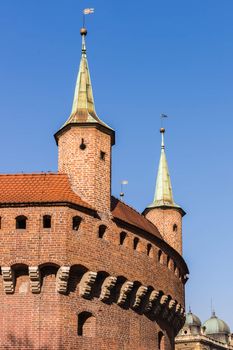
<point x="162" y="116"/>
<point x="87" y="11"/>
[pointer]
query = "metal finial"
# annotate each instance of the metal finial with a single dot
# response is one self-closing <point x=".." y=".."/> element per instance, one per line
<point x="122" y="194"/>
<point x="83" y="33"/>
<point x="162" y="131"/>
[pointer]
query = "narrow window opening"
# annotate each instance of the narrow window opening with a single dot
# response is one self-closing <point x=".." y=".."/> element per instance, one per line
<point x="149" y="249"/>
<point x="21" y="222"/>
<point x="135" y="243"/>
<point x="102" y="155"/>
<point x="160" y="257"/>
<point x="168" y="261"/>
<point x="175" y="228"/>
<point x="47" y="221"/>
<point x="86" y="324"/>
<point x="122" y="237"/>
<point x="76" y="222"/>
<point x="0" y="222"/>
<point x="102" y="230"/>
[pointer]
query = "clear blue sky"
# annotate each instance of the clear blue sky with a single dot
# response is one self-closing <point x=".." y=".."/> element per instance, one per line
<point x="146" y="58"/>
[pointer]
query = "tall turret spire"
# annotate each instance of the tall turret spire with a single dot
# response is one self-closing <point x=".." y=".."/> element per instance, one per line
<point x="163" y="190"/>
<point x="163" y="212"/>
<point x="83" y="110"/>
<point x="85" y="144"/>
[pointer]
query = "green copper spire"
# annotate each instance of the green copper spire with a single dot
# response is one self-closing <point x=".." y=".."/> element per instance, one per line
<point x="163" y="190"/>
<point x="83" y="109"/>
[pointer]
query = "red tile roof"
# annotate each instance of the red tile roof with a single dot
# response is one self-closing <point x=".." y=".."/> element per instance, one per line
<point x="127" y="214"/>
<point x="38" y="188"/>
<point x="55" y="188"/>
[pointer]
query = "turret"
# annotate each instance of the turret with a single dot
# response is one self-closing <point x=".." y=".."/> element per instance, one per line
<point x="84" y="143"/>
<point x="163" y="212"/>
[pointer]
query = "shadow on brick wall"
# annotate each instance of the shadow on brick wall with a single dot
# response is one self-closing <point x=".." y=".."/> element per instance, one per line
<point x="24" y="343"/>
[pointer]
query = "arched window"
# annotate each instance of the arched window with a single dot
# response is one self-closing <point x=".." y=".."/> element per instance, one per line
<point x="175" y="227"/>
<point x="76" y="222"/>
<point x="161" y="341"/>
<point x="149" y="250"/>
<point x="160" y="256"/>
<point x="86" y="324"/>
<point x="47" y="221"/>
<point x="102" y="230"/>
<point x="21" y="222"/>
<point x="122" y="237"/>
<point x="135" y="243"/>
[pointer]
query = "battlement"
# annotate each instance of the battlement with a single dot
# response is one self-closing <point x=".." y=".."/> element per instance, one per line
<point x="90" y="285"/>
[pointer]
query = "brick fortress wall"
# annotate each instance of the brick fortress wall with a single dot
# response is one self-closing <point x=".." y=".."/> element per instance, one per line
<point x="53" y="280"/>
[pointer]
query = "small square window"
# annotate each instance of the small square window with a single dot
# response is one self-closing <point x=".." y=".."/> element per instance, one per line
<point x="102" y="155"/>
<point x="46" y="221"/>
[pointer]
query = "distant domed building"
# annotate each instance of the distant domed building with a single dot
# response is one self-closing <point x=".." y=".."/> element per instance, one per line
<point x="217" y="329"/>
<point x="213" y="334"/>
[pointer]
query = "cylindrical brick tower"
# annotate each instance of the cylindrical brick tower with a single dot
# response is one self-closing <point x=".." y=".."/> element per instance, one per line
<point x="80" y="269"/>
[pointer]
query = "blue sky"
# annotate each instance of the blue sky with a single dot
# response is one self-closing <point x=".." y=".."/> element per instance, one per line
<point x="146" y="58"/>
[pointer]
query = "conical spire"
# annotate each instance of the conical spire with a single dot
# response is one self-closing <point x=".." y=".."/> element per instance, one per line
<point x="83" y="108"/>
<point x="163" y="191"/>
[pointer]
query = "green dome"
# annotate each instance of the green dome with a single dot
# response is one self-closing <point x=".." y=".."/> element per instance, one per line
<point x="216" y="326"/>
<point x="192" y="320"/>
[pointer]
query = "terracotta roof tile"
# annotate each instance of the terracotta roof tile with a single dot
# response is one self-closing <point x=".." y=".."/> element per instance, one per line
<point x="38" y="188"/>
<point x="55" y="188"/>
<point x="122" y="211"/>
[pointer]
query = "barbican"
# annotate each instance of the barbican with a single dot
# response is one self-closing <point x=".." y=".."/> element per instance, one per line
<point x="81" y="269"/>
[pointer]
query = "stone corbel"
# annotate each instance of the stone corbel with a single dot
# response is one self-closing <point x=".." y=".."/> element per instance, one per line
<point x="140" y="294"/>
<point x="8" y="277"/>
<point x="125" y="290"/>
<point x="177" y="315"/>
<point x="106" y="288"/>
<point x="35" y="279"/>
<point x="172" y="309"/>
<point x="159" y="306"/>
<point x="165" y="302"/>
<point x="86" y="284"/>
<point x="62" y="279"/>
<point x="153" y="299"/>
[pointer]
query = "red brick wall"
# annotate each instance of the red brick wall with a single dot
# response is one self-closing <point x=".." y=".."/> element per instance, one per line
<point x="164" y="220"/>
<point x="90" y="176"/>
<point x="48" y="320"/>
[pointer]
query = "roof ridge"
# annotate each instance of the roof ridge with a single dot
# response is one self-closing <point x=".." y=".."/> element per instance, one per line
<point x="143" y="216"/>
<point x="31" y="174"/>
